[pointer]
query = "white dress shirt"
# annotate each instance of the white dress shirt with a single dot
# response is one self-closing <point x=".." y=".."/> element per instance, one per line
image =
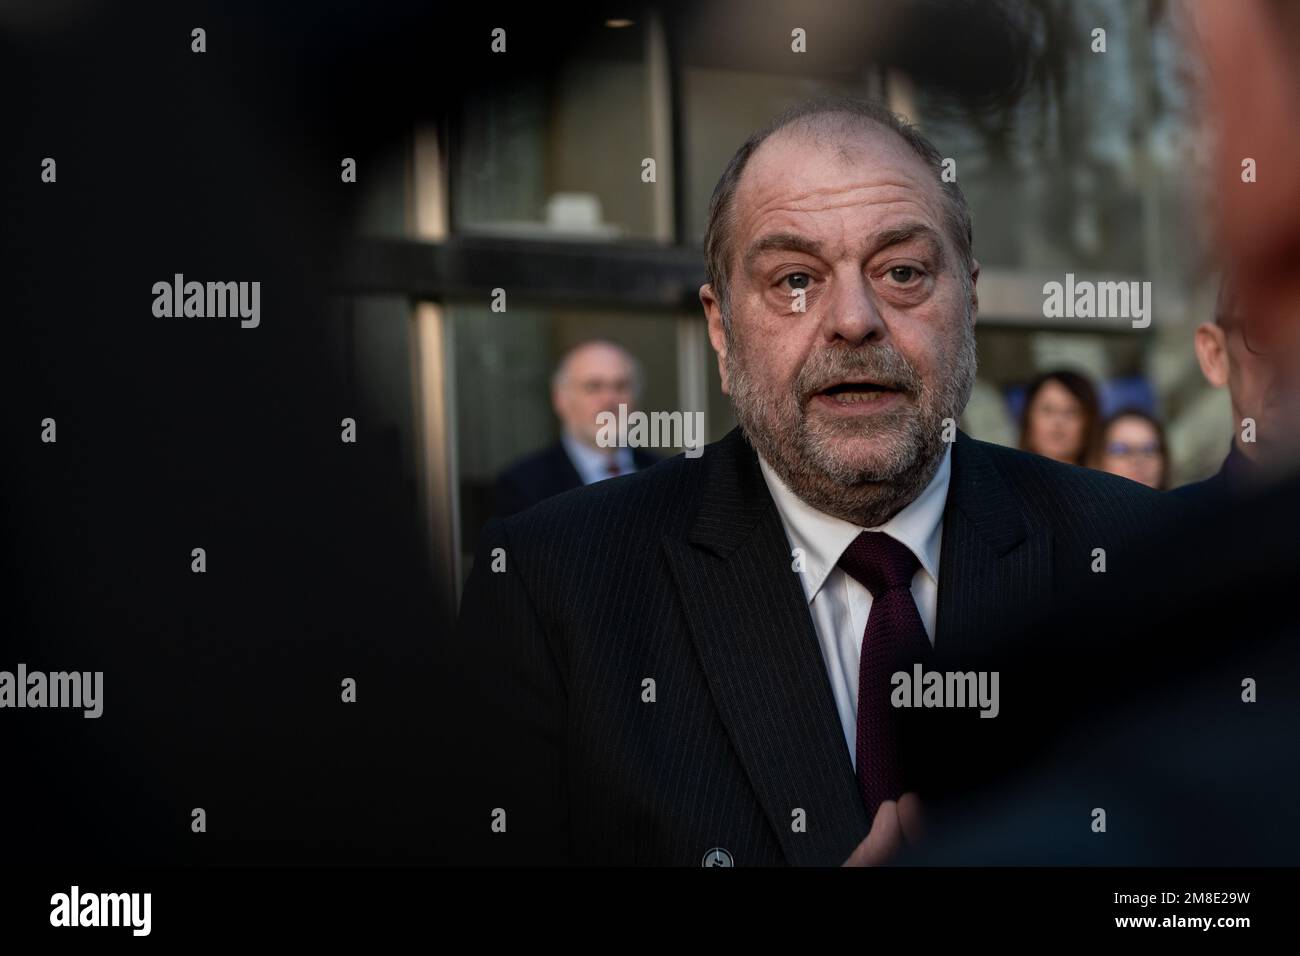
<point x="592" y="464"/>
<point x="838" y="603"/>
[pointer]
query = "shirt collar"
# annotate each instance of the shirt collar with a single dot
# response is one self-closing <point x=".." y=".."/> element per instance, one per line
<point x="592" y="464"/>
<point x="823" y="537"/>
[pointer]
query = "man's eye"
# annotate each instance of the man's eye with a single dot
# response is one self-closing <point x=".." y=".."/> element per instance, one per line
<point x="798" y="280"/>
<point x="903" y="274"/>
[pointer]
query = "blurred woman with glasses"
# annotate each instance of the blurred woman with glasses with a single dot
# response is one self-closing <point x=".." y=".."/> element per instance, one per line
<point x="1133" y="446"/>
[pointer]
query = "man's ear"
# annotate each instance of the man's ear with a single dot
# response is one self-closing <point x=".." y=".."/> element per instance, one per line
<point x="1212" y="353"/>
<point x="974" y="291"/>
<point x="717" y="334"/>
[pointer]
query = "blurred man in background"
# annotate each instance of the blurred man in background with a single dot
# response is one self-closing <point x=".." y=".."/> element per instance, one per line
<point x="593" y="377"/>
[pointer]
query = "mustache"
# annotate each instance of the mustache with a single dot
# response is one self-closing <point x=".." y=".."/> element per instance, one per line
<point x="880" y="364"/>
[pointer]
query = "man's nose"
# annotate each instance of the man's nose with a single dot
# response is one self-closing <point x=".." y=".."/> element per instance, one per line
<point x="852" y="310"/>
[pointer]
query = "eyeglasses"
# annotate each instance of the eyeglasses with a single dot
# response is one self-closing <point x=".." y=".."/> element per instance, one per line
<point x="592" y="386"/>
<point x="1122" y="449"/>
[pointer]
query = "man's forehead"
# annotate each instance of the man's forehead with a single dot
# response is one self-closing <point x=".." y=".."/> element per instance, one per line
<point x="598" y="359"/>
<point x="794" y="170"/>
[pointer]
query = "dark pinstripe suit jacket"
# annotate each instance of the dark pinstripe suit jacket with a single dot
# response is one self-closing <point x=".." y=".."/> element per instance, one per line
<point x="680" y="575"/>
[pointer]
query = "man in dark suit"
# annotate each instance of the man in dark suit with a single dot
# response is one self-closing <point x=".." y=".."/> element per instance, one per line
<point x="593" y="377"/>
<point x="692" y="665"/>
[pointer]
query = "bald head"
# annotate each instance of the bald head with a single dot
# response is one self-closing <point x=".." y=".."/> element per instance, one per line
<point x="846" y="339"/>
<point x="833" y="129"/>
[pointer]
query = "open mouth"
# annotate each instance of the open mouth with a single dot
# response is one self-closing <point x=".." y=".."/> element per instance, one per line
<point x="852" y="393"/>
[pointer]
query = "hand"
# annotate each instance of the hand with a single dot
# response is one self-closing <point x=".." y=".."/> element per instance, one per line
<point x="895" y="823"/>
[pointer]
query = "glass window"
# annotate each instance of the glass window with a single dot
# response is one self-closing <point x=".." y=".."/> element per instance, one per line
<point x="560" y="155"/>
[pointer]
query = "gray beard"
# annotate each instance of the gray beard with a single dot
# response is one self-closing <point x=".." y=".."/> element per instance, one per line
<point x="908" y="441"/>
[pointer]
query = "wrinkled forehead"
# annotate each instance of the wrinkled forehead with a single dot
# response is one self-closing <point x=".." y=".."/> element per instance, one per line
<point x="867" y="171"/>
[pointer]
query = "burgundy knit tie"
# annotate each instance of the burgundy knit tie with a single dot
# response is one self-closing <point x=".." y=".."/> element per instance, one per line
<point x="894" y="640"/>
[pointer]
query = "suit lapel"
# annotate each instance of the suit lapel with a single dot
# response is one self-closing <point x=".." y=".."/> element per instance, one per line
<point x="993" y="564"/>
<point x="752" y="629"/>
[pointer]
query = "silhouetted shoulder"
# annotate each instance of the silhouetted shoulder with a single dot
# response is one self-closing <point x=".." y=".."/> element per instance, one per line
<point x="1050" y="487"/>
<point x="1204" y="494"/>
